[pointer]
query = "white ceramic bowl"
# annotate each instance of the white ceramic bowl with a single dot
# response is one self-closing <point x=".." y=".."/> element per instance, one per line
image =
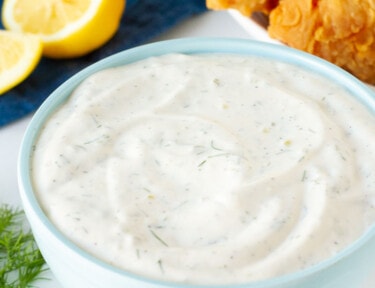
<point x="76" y="268"/>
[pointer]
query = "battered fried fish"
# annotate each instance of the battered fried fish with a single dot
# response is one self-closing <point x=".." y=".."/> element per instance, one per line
<point x="340" y="31"/>
<point x="246" y="7"/>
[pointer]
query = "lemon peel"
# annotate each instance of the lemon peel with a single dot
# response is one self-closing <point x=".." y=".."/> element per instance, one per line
<point x="19" y="55"/>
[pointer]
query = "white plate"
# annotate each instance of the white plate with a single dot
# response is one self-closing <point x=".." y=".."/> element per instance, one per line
<point x="255" y="26"/>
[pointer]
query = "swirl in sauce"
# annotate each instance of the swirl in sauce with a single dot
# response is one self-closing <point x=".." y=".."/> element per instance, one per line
<point x="208" y="169"/>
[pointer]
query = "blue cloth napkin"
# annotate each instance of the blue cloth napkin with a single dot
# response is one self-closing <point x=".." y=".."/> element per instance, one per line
<point x="142" y="20"/>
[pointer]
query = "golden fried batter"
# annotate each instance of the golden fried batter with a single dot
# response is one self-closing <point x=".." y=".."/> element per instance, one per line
<point x="340" y="31"/>
<point x="246" y="7"/>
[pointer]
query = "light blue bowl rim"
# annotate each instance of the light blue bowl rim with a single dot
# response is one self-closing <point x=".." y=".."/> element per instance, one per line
<point x="190" y="46"/>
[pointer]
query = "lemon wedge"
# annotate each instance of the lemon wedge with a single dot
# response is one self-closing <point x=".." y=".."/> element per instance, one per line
<point x="19" y="55"/>
<point x="68" y="28"/>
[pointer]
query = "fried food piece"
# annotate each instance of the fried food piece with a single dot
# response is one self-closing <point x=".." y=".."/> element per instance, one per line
<point x="246" y="7"/>
<point x="340" y="31"/>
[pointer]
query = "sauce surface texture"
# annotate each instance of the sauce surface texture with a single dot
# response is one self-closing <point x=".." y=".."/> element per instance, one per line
<point x="208" y="169"/>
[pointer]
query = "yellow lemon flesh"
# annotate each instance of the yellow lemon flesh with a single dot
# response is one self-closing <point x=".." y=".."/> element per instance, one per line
<point x="19" y="55"/>
<point x="68" y="28"/>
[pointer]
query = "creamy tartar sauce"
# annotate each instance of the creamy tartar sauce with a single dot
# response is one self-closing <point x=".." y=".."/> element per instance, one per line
<point x="208" y="169"/>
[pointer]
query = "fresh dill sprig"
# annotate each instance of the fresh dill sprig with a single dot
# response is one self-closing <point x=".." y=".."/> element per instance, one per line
<point x="21" y="262"/>
<point x="158" y="238"/>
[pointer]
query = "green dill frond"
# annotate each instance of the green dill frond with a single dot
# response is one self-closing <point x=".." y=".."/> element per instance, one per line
<point x="21" y="262"/>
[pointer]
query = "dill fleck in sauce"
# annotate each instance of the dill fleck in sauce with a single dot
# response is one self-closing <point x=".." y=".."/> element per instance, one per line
<point x="208" y="169"/>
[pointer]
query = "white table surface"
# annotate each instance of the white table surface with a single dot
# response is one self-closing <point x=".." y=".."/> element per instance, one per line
<point x="210" y="24"/>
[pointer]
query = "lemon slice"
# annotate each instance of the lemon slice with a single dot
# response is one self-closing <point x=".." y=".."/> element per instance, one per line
<point x="67" y="28"/>
<point x="19" y="55"/>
